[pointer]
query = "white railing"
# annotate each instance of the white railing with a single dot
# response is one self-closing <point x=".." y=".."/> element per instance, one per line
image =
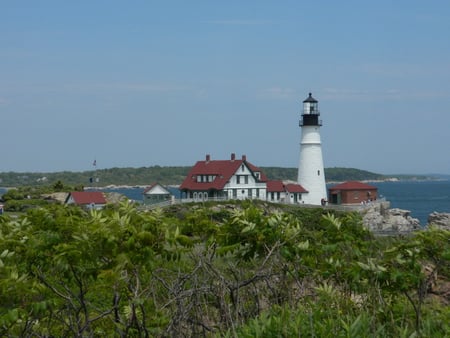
<point x="198" y="200"/>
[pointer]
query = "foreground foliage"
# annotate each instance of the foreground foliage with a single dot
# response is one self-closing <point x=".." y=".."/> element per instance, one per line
<point x="228" y="270"/>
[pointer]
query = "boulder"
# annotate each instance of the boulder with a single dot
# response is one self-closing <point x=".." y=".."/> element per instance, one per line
<point x="396" y="220"/>
<point x="440" y="219"/>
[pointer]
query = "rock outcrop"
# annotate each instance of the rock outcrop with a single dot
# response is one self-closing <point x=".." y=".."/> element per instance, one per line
<point x="440" y="219"/>
<point x="379" y="217"/>
<point x="59" y="197"/>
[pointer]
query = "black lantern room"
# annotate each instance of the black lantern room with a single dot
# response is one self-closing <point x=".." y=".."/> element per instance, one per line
<point x="310" y="115"/>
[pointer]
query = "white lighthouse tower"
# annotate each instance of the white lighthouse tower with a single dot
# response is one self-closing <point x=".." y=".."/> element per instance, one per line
<point x="311" y="174"/>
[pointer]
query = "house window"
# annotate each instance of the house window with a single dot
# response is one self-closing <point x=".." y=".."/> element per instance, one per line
<point x="250" y="192"/>
<point x="318" y="172"/>
<point x="238" y="179"/>
<point x="234" y="193"/>
<point x="257" y="175"/>
<point x="199" y="178"/>
<point x="246" y="179"/>
<point x="242" y="167"/>
<point x="257" y="192"/>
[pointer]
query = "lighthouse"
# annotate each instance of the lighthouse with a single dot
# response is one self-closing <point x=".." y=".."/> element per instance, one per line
<point x="311" y="174"/>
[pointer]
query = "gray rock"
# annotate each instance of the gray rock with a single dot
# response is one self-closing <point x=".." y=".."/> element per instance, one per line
<point x="440" y="219"/>
<point x="378" y="218"/>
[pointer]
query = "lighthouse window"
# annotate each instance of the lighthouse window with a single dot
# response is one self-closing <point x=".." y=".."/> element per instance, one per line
<point x="318" y="172"/>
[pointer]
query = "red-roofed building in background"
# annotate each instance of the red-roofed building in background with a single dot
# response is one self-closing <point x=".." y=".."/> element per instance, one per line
<point x="277" y="191"/>
<point x="235" y="179"/>
<point x="352" y="192"/>
<point x="87" y="199"/>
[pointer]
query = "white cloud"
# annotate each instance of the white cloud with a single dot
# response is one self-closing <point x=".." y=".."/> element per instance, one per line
<point x="377" y="95"/>
<point x="239" y="22"/>
<point x="134" y="87"/>
<point x="279" y="93"/>
<point x="404" y="70"/>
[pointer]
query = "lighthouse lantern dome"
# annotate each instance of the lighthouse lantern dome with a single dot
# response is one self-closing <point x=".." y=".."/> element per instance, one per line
<point x="310" y="115"/>
<point x="310" y="106"/>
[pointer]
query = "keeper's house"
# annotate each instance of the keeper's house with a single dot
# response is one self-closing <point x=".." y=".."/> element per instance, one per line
<point x="352" y="192"/>
<point x="235" y="179"/>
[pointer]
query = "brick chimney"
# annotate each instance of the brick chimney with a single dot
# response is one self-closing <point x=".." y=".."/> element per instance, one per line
<point x="208" y="158"/>
<point x="233" y="156"/>
<point x="244" y="158"/>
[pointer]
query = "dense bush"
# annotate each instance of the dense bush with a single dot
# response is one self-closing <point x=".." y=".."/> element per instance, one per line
<point x="239" y="269"/>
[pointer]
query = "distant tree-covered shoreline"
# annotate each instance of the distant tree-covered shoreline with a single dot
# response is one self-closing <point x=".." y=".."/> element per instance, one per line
<point x="171" y="175"/>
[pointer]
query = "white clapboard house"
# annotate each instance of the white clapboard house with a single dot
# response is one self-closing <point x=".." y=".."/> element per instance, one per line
<point x="235" y="179"/>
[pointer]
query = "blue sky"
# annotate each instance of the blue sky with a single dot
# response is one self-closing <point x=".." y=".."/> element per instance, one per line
<point x="143" y="83"/>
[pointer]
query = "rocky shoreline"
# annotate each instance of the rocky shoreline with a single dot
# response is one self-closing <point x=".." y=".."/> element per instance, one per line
<point x="379" y="217"/>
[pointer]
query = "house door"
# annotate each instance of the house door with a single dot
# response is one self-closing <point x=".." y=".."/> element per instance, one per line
<point x="335" y="198"/>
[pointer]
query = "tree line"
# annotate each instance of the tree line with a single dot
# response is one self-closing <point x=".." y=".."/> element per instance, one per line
<point x="163" y="175"/>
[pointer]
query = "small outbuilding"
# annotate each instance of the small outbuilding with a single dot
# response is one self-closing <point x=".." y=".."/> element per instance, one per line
<point x="87" y="199"/>
<point x="352" y="192"/>
<point x="279" y="192"/>
<point x="156" y="193"/>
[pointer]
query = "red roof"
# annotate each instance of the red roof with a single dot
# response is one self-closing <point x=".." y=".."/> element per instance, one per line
<point x="279" y="186"/>
<point x="295" y="188"/>
<point x="353" y="185"/>
<point x="222" y="170"/>
<point x="275" y="186"/>
<point x="88" y="197"/>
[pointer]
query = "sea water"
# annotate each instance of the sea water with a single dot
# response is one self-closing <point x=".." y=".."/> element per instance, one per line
<point x="420" y="197"/>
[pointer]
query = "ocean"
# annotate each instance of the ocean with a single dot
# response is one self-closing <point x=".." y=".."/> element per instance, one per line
<point x="420" y="197"/>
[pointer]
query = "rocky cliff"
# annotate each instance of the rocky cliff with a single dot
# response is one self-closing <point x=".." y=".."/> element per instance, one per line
<point x="378" y="217"/>
<point x="440" y="219"/>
